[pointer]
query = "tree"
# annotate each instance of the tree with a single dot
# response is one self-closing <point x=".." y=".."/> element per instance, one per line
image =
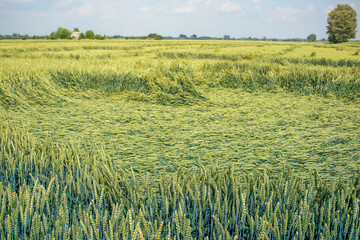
<point x="76" y="30"/>
<point x="194" y="36"/>
<point x="182" y="36"/>
<point x="99" y="37"/>
<point x="63" y="33"/>
<point x="89" y="34"/>
<point x="52" y="36"/>
<point x="341" y="24"/>
<point x="311" y="38"/>
<point x="154" y="36"/>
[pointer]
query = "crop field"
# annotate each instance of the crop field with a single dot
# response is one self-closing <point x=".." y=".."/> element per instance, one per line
<point x="180" y="139"/>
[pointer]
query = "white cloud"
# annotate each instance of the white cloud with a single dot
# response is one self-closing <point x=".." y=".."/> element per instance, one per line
<point x="147" y="12"/>
<point x="84" y="10"/>
<point x="108" y="11"/>
<point x="289" y="10"/>
<point x="228" y="6"/>
<point x="63" y="3"/>
<point x="258" y="8"/>
<point x="185" y="9"/>
<point x="146" y="9"/>
<point x="191" y="6"/>
<point x="105" y="9"/>
<point x="191" y="2"/>
<point x="289" y="13"/>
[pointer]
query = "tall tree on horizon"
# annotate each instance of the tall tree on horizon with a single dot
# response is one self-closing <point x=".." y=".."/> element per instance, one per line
<point x="341" y="24"/>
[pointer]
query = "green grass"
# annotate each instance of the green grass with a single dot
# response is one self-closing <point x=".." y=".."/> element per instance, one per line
<point x="179" y="138"/>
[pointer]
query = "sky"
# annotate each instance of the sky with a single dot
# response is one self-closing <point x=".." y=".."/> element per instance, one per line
<point x="215" y="18"/>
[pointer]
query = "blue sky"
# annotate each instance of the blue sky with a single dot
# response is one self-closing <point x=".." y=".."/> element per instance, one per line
<point x="238" y="18"/>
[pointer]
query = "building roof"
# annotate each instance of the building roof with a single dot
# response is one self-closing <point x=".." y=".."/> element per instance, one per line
<point x="75" y="34"/>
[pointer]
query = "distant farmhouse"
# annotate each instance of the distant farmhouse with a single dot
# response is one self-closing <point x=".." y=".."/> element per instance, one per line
<point x="75" y="34"/>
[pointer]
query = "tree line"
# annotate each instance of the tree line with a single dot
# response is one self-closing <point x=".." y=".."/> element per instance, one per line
<point x="63" y="33"/>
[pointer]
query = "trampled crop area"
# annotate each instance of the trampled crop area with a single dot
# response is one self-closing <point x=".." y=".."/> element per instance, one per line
<point x="179" y="139"/>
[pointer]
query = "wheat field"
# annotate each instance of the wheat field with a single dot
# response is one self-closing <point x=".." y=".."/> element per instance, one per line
<point x="179" y="139"/>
